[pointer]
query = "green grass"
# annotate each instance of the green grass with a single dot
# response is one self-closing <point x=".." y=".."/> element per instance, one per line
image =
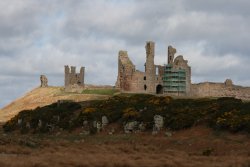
<point x="100" y="91"/>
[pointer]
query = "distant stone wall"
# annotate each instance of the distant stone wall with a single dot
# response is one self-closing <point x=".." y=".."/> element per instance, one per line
<point x="226" y="89"/>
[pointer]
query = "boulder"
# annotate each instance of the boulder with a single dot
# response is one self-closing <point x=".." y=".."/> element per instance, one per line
<point x="130" y="126"/>
<point x="158" y="122"/>
<point x="105" y="121"/>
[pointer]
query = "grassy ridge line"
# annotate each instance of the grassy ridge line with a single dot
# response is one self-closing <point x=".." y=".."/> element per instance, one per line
<point x="40" y="97"/>
<point x="100" y="91"/>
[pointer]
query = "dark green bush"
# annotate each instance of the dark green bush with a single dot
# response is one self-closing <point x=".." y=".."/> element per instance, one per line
<point x="221" y="114"/>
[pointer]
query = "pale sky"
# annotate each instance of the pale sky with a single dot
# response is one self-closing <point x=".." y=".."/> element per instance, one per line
<point x="41" y="36"/>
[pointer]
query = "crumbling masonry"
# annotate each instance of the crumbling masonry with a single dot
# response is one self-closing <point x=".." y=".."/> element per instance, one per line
<point x="73" y="81"/>
<point x="44" y="81"/>
<point x="173" y="78"/>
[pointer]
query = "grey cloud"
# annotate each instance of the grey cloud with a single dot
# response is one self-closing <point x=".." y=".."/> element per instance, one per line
<point x="229" y="7"/>
<point x="40" y="37"/>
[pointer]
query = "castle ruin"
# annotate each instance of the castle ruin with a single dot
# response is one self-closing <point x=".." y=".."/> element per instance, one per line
<point x="73" y="81"/>
<point x="173" y="78"/>
<point x="226" y="89"/>
<point x="44" y="81"/>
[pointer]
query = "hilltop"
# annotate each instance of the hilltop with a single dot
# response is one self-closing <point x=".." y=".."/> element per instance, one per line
<point x="197" y="132"/>
<point x="39" y="97"/>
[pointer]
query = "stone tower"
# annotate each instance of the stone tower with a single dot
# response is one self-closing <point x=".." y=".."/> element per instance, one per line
<point x="171" y="53"/>
<point x="126" y="71"/>
<point x="150" y="72"/>
<point x="44" y="81"/>
<point x="73" y="78"/>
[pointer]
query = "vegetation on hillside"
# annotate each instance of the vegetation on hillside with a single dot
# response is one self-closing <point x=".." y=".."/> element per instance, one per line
<point x="100" y="91"/>
<point x="220" y="114"/>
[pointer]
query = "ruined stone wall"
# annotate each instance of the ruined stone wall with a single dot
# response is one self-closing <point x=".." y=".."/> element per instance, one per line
<point x="180" y="63"/>
<point x="73" y="81"/>
<point x="150" y="67"/>
<point x="44" y="81"/>
<point x="151" y="81"/>
<point x="209" y="89"/>
<point x="138" y="82"/>
<point x="159" y="78"/>
<point x="126" y="71"/>
<point x="171" y="53"/>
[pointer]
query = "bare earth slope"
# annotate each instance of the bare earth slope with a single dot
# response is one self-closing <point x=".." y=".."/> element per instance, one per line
<point x="41" y="97"/>
<point x="186" y="148"/>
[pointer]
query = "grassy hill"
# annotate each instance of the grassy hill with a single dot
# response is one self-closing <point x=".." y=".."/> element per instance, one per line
<point x="201" y="130"/>
<point x="39" y="97"/>
<point x="220" y="114"/>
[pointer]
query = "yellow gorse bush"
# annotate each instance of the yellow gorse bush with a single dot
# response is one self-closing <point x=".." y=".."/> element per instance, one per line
<point x="130" y="112"/>
<point x="89" y="110"/>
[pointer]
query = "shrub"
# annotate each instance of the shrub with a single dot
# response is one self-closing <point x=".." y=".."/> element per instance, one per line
<point x="130" y="114"/>
<point x="89" y="110"/>
<point x="221" y="114"/>
<point x="100" y="91"/>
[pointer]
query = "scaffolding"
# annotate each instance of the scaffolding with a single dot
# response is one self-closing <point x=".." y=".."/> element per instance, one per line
<point x="174" y="80"/>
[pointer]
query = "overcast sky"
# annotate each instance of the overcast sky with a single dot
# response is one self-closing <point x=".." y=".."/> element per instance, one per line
<point x="41" y="36"/>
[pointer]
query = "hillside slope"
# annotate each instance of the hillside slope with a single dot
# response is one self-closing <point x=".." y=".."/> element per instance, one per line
<point x="41" y="97"/>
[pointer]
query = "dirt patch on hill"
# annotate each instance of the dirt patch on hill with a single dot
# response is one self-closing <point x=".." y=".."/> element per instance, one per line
<point x="41" y="97"/>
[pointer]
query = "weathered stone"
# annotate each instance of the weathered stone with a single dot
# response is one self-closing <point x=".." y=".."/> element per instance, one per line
<point x="158" y="122"/>
<point x="130" y="126"/>
<point x="111" y="132"/>
<point x="85" y="123"/>
<point x="168" y="134"/>
<point x="151" y="81"/>
<point x="141" y="126"/>
<point x="44" y="81"/>
<point x="104" y="121"/>
<point x="98" y="126"/>
<point x="171" y="53"/>
<point x="50" y="127"/>
<point x="86" y="132"/>
<point x="19" y="122"/>
<point x="226" y="89"/>
<point x="74" y="82"/>
<point x="40" y="124"/>
<point x="228" y="83"/>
